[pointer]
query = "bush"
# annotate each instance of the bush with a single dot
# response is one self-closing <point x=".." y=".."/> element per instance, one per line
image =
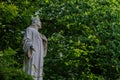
<point x="8" y="69"/>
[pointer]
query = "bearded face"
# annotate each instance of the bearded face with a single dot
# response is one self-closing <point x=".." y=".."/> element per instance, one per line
<point x="36" y="21"/>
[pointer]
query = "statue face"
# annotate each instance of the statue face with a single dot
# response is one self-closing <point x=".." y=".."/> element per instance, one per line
<point x="36" y="21"/>
<point x="39" y="25"/>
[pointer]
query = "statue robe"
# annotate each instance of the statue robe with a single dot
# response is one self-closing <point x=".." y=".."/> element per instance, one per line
<point x="34" y="57"/>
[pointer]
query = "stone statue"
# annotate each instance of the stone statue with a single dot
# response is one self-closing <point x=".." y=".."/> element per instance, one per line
<point x="35" y="48"/>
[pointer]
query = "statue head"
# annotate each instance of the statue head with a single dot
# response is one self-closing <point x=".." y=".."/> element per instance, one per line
<point x="36" y="21"/>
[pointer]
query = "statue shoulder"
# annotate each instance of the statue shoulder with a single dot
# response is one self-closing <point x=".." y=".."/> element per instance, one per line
<point x="43" y="37"/>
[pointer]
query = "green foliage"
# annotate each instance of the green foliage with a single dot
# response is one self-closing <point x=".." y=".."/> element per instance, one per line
<point x="83" y="37"/>
<point x="7" y="67"/>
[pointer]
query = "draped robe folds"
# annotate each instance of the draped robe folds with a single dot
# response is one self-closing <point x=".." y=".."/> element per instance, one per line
<point x="35" y="48"/>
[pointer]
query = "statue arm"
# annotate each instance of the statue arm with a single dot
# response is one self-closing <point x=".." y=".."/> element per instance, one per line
<point x="45" y="47"/>
<point x="27" y="40"/>
<point x="44" y="43"/>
